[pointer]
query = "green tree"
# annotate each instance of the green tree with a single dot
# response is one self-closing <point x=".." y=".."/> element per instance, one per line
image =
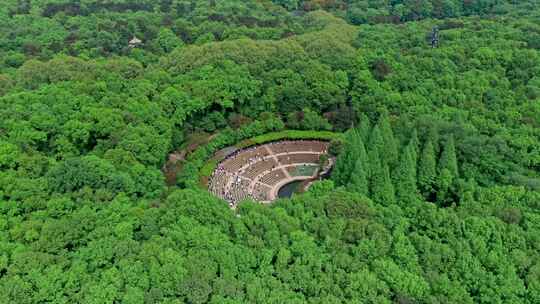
<point x="405" y="176"/>
<point x="376" y="141"/>
<point x="444" y="184"/>
<point x="225" y="85"/>
<point x="205" y="38"/>
<point x="427" y="170"/>
<point x="75" y="174"/>
<point x="288" y="4"/>
<point x="346" y="160"/>
<point x="389" y="151"/>
<point x="307" y="120"/>
<point x="6" y="84"/>
<point x="381" y="188"/>
<point x="434" y="137"/>
<point x="167" y="40"/>
<point x="359" y="178"/>
<point x="448" y="158"/>
<point x="9" y="155"/>
<point x="364" y="126"/>
<point x="415" y="144"/>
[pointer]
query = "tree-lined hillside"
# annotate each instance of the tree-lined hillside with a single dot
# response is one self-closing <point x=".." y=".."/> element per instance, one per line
<point x="434" y="197"/>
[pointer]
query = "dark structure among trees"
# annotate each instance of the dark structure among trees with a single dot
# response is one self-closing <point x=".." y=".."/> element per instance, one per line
<point x="434" y="37"/>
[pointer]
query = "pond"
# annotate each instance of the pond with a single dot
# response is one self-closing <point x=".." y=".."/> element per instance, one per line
<point x="288" y="189"/>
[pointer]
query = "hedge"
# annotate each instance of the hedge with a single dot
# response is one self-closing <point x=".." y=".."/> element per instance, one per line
<point x="289" y="134"/>
<point x="189" y="177"/>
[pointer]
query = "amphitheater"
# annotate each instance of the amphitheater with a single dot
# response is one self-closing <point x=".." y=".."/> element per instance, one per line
<point x="259" y="172"/>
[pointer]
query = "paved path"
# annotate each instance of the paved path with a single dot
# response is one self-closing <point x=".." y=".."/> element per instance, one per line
<point x="277" y="160"/>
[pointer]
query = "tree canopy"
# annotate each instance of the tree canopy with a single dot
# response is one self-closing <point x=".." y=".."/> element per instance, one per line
<point x="435" y="192"/>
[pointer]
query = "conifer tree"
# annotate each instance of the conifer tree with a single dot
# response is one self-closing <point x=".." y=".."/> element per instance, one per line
<point x="346" y="161"/>
<point x="340" y="168"/>
<point x="427" y="170"/>
<point x="466" y="195"/>
<point x="364" y="127"/>
<point x="415" y="144"/>
<point x="390" y="152"/>
<point x="433" y="136"/>
<point x="356" y="146"/>
<point x="360" y="149"/>
<point x="448" y="158"/>
<point x="405" y="177"/>
<point x="338" y="174"/>
<point x="359" y="178"/>
<point x="444" y="183"/>
<point x="381" y="188"/>
<point x="376" y="141"/>
<point x="388" y="190"/>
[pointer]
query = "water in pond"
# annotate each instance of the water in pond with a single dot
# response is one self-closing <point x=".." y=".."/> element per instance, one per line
<point x="288" y="189"/>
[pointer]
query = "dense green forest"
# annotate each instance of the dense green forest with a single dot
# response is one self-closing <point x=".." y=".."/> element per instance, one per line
<point x="435" y="196"/>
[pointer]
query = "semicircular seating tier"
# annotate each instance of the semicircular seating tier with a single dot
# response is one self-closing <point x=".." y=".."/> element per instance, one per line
<point x="259" y="172"/>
